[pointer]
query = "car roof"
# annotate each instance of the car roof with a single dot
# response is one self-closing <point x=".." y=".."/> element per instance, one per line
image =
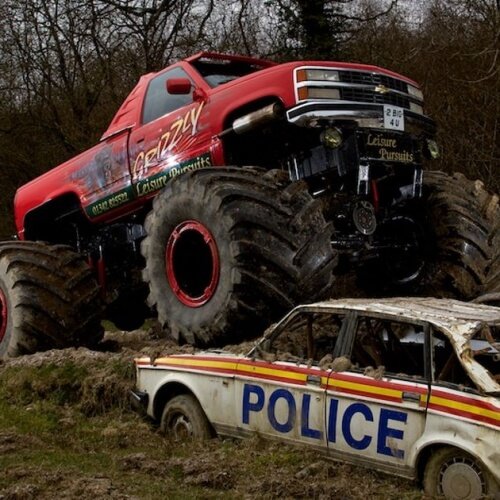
<point x="457" y="320"/>
<point x="445" y="313"/>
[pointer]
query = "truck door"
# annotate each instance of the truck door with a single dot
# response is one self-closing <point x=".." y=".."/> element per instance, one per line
<point x="169" y="140"/>
<point x="376" y="409"/>
<point x="103" y="175"/>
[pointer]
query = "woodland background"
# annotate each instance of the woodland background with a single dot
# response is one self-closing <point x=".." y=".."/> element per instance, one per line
<point x="66" y="65"/>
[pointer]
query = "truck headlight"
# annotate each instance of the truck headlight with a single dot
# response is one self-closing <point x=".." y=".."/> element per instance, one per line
<point x="415" y="92"/>
<point x="318" y="93"/>
<point x="322" y="75"/>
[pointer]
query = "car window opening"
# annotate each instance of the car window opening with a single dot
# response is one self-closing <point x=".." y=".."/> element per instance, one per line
<point x="389" y="346"/>
<point x="485" y="349"/>
<point x="307" y="338"/>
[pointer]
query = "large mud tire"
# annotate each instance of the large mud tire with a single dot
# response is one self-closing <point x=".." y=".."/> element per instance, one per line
<point x="491" y="209"/>
<point x="49" y="299"/>
<point x="458" y="216"/>
<point x="267" y="249"/>
<point x="455" y="244"/>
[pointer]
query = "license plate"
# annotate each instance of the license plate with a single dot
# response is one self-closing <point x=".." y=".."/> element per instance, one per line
<point x="394" y="117"/>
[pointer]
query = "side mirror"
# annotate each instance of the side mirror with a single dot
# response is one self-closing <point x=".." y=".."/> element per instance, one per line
<point x="178" y="86"/>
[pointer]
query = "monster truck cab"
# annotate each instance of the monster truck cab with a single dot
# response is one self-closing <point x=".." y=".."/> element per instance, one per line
<point x="310" y="118"/>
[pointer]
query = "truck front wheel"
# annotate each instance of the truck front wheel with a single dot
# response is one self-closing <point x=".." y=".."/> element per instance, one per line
<point x="48" y="299"/>
<point x="229" y="250"/>
<point x="491" y="209"/>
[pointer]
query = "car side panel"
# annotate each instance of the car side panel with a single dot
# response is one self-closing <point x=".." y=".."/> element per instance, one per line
<point x="359" y="419"/>
<point x="281" y="400"/>
<point x="210" y="381"/>
<point x="370" y="421"/>
<point x="466" y="421"/>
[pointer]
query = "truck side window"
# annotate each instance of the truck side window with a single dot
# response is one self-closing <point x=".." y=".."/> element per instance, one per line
<point x="396" y="346"/>
<point x="158" y="101"/>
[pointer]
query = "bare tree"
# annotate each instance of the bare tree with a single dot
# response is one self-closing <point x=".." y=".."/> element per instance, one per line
<point x="317" y="29"/>
<point x="155" y="29"/>
<point x="453" y="51"/>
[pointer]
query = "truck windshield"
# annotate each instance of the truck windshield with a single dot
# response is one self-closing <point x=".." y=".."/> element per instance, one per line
<point x="217" y="72"/>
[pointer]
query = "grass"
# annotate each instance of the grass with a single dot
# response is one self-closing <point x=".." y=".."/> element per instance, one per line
<point x="66" y="428"/>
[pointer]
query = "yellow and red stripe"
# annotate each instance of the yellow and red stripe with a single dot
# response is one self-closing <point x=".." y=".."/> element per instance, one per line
<point x="374" y="389"/>
<point x="448" y="402"/>
<point x="462" y="406"/>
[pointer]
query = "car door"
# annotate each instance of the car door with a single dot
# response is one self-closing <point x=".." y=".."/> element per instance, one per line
<point x="280" y="392"/>
<point x="376" y="409"/>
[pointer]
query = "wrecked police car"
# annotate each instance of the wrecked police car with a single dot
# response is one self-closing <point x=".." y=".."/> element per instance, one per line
<point x="407" y="386"/>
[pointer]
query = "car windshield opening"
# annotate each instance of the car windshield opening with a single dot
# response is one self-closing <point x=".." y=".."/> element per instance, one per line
<point x="485" y="348"/>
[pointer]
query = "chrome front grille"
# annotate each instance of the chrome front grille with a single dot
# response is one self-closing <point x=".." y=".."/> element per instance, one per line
<point x="364" y="78"/>
<point x="367" y="95"/>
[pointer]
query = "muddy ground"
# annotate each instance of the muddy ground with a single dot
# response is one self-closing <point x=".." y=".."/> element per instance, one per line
<point x="67" y="431"/>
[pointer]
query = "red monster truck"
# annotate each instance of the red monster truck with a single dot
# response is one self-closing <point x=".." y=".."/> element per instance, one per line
<point x="326" y="174"/>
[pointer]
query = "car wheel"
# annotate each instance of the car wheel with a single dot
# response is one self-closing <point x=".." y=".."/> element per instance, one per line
<point x="183" y="418"/>
<point x="452" y="473"/>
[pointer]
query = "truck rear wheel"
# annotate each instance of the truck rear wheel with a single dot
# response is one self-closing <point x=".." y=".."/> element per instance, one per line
<point x="448" y="239"/>
<point x="48" y="299"/>
<point x="491" y="209"/>
<point x="228" y="250"/>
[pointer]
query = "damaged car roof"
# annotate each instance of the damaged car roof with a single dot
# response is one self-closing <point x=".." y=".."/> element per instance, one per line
<point x="446" y="313"/>
<point x="459" y="321"/>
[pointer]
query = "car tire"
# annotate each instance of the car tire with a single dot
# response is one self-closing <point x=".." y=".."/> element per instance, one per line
<point x="49" y="299"/>
<point x="230" y="250"/>
<point x="451" y="239"/>
<point x="183" y="418"/>
<point x="453" y="473"/>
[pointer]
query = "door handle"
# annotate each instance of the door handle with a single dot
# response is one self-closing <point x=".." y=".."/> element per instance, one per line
<point x="314" y="379"/>
<point x="412" y="397"/>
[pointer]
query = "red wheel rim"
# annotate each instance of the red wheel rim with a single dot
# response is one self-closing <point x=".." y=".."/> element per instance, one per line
<point x="3" y="315"/>
<point x="192" y="263"/>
